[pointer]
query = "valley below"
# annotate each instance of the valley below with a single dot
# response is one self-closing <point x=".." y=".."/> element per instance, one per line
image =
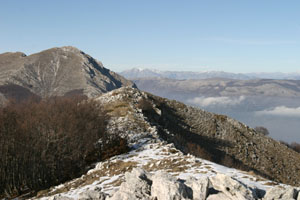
<point x="274" y="104"/>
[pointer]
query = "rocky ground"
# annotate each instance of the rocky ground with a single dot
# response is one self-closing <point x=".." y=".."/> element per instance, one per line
<point x="156" y="169"/>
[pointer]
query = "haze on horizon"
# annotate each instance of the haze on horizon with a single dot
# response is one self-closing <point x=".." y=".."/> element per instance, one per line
<point x="232" y="36"/>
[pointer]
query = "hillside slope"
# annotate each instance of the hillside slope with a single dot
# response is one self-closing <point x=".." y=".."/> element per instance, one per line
<point x="189" y="127"/>
<point x="150" y="123"/>
<point x="59" y="71"/>
<point x="249" y="101"/>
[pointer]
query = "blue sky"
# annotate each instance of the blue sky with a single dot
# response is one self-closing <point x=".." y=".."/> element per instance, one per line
<point x="227" y="35"/>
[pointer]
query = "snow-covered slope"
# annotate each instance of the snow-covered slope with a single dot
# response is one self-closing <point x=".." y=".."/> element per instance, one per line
<point x="148" y="152"/>
<point x="152" y="155"/>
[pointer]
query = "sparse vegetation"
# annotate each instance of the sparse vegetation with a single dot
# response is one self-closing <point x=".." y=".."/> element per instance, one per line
<point x="262" y="130"/>
<point x="294" y="145"/>
<point x="144" y="105"/>
<point x="51" y="141"/>
<point x="108" y="169"/>
<point x="118" y="108"/>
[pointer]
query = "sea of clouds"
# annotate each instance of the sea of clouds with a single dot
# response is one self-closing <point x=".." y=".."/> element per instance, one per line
<point x="281" y="111"/>
<point x="213" y="101"/>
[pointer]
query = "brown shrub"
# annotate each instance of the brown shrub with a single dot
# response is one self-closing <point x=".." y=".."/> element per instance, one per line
<point x="198" y="151"/>
<point x="295" y="146"/>
<point x="144" y="105"/>
<point x="262" y="130"/>
<point x="48" y="142"/>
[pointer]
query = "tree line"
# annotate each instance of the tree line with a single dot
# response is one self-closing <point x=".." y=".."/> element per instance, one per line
<point x="46" y="142"/>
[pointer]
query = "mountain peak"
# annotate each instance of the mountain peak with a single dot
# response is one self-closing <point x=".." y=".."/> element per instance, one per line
<point x="71" y="49"/>
<point x="59" y="71"/>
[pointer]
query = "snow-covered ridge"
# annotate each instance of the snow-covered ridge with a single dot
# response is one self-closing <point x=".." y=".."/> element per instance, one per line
<point x="150" y="153"/>
<point x="153" y="155"/>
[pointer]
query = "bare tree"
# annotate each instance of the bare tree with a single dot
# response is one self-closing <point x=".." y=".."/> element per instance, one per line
<point x="262" y="130"/>
<point x="48" y="142"/>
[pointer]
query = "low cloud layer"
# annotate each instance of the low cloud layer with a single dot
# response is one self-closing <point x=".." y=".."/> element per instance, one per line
<point x="213" y="101"/>
<point x="281" y="111"/>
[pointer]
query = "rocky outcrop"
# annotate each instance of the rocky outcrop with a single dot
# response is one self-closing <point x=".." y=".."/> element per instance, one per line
<point x="149" y="120"/>
<point x="279" y="192"/>
<point x="59" y="71"/>
<point x="214" y="137"/>
<point x="231" y="189"/>
<point x="199" y="187"/>
<point x="140" y="184"/>
<point x="137" y="185"/>
<point x="166" y="187"/>
<point x="92" y="194"/>
<point x="162" y="186"/>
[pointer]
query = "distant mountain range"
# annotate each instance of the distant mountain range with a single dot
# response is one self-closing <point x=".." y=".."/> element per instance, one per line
<point x="143" y="73"/>
<point x="216" y="87"/>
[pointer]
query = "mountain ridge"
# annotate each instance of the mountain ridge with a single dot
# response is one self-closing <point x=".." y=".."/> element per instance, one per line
<point x="158" y="143"/>
<point x="57" y="71"/>
<point x="135" y="73"/>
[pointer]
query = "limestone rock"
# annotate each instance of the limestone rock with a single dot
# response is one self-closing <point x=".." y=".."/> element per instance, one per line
<point x="95" y="194"/>
<point x="199" y="187"/>
<point x="59" y="197"/>
<point x="136" y="186"/>
<point x="278" y="192"/>
<point x="166" y="187"/>
<point x="219" y="196"/>
<point x="140" y="184"/>
<point x="233" y="189"/>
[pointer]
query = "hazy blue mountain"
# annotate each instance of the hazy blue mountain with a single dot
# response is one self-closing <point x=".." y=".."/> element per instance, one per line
<point x="143" y="73"/>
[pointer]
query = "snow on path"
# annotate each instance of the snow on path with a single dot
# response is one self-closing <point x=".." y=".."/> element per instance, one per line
<point x="153" y="155"/>
<point x="148" y="152"/>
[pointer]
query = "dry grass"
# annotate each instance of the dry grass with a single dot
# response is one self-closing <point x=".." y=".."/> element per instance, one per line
<point x="271" y="183"/>
<point x="108" y="169"/>
<point x="173" y="151"/>
<point x="118" y="108"/>
<point x="170" y="151"/>
<point x="207" y="167"/>
<point x="175" y="165"/>
<point x="257" y="177"/>
<point x="117" y="182"/>
<point x="221" y="118"/>
<point x="202" y="172"/>
<point x="197" y="164"/>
